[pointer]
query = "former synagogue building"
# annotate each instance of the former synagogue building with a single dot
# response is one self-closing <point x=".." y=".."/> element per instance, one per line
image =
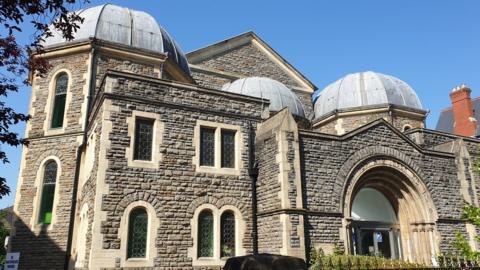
<point x="143" y="156"/>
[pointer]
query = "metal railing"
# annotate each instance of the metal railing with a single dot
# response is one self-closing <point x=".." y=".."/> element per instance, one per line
<point x="356" y="263"/>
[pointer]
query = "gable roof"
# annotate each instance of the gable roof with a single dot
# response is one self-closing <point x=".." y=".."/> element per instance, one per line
<point x="445" y="121"/>
<point x="371" y="125"/>
<point x="209" y="51"/>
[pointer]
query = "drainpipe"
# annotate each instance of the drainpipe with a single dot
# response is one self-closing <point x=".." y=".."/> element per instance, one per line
<point x="80" y="148"/>
<point x="253" y="172"/>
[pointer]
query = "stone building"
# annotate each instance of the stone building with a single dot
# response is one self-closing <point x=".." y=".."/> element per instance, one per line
<point x="142" y="156"/>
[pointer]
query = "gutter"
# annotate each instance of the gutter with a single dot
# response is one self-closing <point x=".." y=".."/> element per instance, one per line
<point x="253" y="172"/>
<point x="81" y="147"/>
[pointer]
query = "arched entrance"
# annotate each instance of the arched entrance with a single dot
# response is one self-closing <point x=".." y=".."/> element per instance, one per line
<point x="374" y="225"/>
<point x="389" y="213"/>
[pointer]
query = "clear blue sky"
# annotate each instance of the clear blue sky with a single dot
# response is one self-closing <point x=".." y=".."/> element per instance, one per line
<point x="433" y="45"/>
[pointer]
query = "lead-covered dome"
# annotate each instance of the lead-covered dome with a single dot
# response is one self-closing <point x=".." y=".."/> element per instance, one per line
<point x="276" y="92"/>
<point x="123" y="26"/>
<point x="365" y="89"/>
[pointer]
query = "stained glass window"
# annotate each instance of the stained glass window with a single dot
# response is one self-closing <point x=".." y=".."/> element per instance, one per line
<point x="61" y="85"/>
<point x="205" y="234"/>
<point x="137" y="233"/>
<point x="48" y="192"/>
<point x="207" y="147"/>
<point x="227" y="223"/>
<point x="143" y="139"/>
<point x="228" y="149"/>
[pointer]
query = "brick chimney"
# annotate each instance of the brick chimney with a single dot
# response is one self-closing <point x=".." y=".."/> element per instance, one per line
<point x="464" y="122"/>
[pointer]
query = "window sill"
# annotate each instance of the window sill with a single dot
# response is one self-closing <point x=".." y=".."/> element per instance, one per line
<point x="38" y="228"/>
<point x="138" y="262"/>
<point x="208" y="261"/>
<point x="215" y="170"/>
<point x="54" y="131"/>
<point x="142" y="164"/>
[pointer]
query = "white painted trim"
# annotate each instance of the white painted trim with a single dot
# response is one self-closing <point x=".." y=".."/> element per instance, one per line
<point x="50" y="104"/>
<point x="217" y="168"/>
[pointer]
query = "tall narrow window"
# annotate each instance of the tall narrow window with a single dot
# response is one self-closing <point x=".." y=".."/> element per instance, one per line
<point x="205" y="234"/>
<point x="228" y="148"/>
<point x="227" y="223"/>
<point x="143" y="139"/>
<point x="48" y="192"/>
<point x="207" y="147"/>
<point x="61" y="85"/>
<point x="137" y="233"/>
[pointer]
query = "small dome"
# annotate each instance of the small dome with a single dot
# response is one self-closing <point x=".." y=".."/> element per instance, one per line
<point x="123" y="26"/>
<point x="278" y="94"/>
<point x="365" y="89"/>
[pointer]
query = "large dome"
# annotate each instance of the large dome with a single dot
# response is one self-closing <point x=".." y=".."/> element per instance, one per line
<point x="126" y="27"/>
<point x="276" y="92"/>
<point x="365" y="89"/>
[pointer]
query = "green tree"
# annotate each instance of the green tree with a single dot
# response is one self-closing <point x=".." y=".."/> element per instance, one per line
<point x="16" y="59"/>
<point x="472" y="214"/>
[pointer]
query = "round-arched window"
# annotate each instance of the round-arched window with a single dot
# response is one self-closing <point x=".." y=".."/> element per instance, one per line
<point x="205" y="234"/>
<point x="137" y="233"/>
<point x="227" y="234"/>
<point x="371" y="205"/>
<point x="48" y="192"/>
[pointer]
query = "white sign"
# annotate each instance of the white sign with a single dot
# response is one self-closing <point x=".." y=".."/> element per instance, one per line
<point x="12" y="260"/>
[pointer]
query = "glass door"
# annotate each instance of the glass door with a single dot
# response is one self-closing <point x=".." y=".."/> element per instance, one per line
<point x="379" y="242"/>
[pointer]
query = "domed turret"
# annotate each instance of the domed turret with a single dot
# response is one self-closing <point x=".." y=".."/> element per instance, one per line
<point x="365" y="89"/>
<point x="123" y="26"/>
<point x="276" y="92"/>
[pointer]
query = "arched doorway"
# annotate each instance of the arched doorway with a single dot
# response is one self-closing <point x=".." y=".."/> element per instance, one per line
<point x="389" y="213"/>
<point x="374" y="226"/>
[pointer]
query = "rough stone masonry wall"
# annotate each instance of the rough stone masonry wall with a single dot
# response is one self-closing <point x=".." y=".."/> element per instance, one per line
<point x="270" y="232"/>
<point x="107" y="62"/>
<point x="346" y="124"/>
<point x="269" y="226"/>
<point x="205" y="79"/>
<point x="41" y="248"/>
<point x="248" y="60"/>
<point x="349" y="123"/>
<point x="175" y="189"/>
<point x="268" y="185"/>
<point x="87" y="191"/>
<point x="77" y="65"/>
<point x="326" y="158"/>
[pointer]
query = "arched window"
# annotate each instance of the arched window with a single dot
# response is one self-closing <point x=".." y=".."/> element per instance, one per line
<point x="227" y="223"/>
<point x="61" y="85"/>
<point x="205" y="234"/>
<point x="137" y="233"/>
<point x="48" y="192"/>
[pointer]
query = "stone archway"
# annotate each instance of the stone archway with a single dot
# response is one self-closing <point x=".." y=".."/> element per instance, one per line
<point x="409" y="198"/>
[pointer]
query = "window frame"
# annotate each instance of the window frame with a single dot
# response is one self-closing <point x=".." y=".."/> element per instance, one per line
<point x="158" y="130"/>
<point x="50" y="105"/>
<point x="206" y="212"/>
<point x="40" y="220"/>
<point x="152" y="230"/>
<point x="55" y="100"/>
<point x="216" y="259"/>
<point x="140" y="210"/>
<point x="36" y="226"/>
<point x="217" y="168"/>
<point x="136" y="154"/>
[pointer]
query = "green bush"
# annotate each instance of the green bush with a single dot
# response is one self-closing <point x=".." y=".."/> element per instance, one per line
<point x="318" y="261"/>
